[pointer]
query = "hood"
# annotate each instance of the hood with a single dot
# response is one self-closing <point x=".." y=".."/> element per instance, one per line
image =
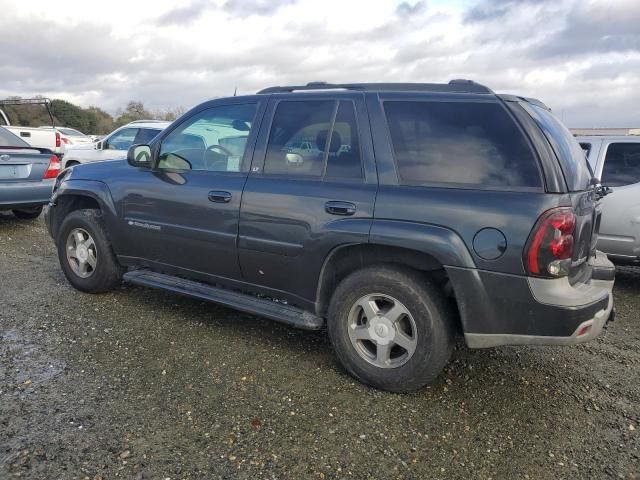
<point x="98" y="170"/>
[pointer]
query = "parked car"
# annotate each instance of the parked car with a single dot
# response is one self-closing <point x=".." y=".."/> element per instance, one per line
<point x="432" y="209"/>
<point x="71" y="136"/>
<point x="49" y="139"/>
<point x="116" y="144"/>
<point x="27" y="175"/>
<point x="616" y="161"/>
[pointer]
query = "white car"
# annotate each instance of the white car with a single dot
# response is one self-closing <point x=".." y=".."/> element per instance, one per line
<point x="615" y="160"/>
<point x="70" y="136"/>
<point x="116" y="144"/>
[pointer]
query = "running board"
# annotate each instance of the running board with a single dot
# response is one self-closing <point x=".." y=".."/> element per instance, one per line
<point x="240" y="301"/>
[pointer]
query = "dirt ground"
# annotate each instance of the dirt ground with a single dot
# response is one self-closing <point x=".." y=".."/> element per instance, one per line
<point x="144" y="384"/>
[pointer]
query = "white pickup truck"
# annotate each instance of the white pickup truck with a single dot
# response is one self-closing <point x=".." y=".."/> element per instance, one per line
<point x="35" y="137"/>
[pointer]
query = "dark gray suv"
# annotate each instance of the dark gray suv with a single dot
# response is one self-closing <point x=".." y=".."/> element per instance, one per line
<point x="395" y="214"/>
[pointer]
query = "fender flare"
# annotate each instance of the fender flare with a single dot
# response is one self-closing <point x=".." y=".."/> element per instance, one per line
<point x="443" y="244"/>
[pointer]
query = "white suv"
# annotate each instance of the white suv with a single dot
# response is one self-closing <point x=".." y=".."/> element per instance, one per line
<point x="116" y="144"/>
<point x="615" y="160"/>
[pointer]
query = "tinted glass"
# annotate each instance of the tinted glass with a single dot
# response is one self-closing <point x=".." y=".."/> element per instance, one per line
<point x="298" y="138"/>
<point x="145" y="135"/>
<point x="121" y="140"/>
<point x="8" y="139"/>
<point x="621" y="164"/>
<point x="586" y="148"/>
<point x="213" y="140"/>
<point x="343" y="159"/>
<point x="575" y="167"/>
<point x="460" y="143"/>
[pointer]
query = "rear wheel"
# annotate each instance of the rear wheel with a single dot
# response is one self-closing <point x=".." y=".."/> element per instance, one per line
<point x="27" y="213"/>
<point x="85" y="253"/>
<point x="391" y="328"/>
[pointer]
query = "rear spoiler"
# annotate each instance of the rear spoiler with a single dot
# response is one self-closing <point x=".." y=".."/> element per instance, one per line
<point x="41" y="150"/>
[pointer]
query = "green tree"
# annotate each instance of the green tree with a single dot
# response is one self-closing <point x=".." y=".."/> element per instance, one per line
<point x="133" y="111"/>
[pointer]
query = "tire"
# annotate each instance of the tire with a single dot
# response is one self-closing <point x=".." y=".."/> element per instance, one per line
<point x="28" y="213"/>
<point x="428" y="314"/>
<point x="107" y="272"/>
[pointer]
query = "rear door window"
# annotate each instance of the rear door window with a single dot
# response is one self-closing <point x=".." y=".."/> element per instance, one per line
<point x="145" y="135"/>
<point x="621" y="164"/>
<point x="314" y="138"/>
<point x="460" y="143"/>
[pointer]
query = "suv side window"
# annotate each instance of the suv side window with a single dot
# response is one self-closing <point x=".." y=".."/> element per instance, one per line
<point x="467" y="143"/>
<point x="121" y="140"/>
<point x="213" y="140"/>
<point x="145" y="135"/>
<point x="314" y="138"/>
<point x="621" y="164"/>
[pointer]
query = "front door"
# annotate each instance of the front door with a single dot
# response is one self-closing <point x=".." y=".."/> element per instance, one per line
<point x="184" y="215"/>
<point x="311" y="189"/>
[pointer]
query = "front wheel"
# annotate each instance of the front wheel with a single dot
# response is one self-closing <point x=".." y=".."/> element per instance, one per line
<point x="27" y="213"/>
<point x="85" y="253"/>
<point x="391" y="328"/>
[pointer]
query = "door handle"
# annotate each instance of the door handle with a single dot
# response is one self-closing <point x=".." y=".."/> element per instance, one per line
<point x="219" y="196"/>
<point x="340" y="208"/>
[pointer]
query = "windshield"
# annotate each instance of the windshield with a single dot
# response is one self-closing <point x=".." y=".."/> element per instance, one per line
<point x="576" y="169"/>
<point x="8" y="139"/>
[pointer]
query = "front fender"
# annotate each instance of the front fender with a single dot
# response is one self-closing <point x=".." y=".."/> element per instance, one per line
<point x="62" y="202"/>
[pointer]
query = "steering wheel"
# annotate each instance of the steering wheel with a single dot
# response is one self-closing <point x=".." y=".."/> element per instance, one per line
<point x="224" y="151"/>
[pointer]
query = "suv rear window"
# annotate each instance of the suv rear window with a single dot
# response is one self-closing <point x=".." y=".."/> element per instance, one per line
<point x="464" y="143"/>
<point x="576" y="169"/>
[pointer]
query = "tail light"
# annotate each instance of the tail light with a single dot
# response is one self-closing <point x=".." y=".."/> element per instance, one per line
<point x="550" y="246"/>
<point x="53" y="169"/>
<point x="57" y="139"/>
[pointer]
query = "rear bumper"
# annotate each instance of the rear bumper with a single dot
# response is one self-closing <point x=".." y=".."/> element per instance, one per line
<point x="516" y="310"/>
<point x="25" y="194"/>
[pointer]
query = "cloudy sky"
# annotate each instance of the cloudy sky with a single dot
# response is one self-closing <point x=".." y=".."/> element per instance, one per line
<point x="580" y="57"/>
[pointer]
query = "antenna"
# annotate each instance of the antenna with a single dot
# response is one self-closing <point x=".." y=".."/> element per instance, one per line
<point x="235" y="90"/>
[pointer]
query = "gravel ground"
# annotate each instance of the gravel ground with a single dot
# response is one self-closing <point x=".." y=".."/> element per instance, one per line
<point x="144" y="384"/>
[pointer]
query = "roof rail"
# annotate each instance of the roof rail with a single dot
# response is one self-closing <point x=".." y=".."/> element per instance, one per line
<point x="455" y="86"/>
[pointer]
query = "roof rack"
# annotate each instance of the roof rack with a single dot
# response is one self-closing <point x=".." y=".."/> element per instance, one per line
<point x="31" y="101"/>
<point x="455" y="86"/>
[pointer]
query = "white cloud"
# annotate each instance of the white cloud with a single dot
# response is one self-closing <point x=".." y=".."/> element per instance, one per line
<point x="168" y="53"/>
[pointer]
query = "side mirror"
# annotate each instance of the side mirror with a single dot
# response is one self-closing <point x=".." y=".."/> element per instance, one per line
<point x="139" y="156"/>
<point x="99" y="145"/>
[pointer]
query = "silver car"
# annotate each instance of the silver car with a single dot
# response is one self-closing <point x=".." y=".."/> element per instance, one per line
<point x="616" y="161"/>
<point x="27" y="175"/>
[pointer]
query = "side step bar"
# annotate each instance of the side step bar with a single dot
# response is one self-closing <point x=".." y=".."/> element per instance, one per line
<point x="240" y="301"/>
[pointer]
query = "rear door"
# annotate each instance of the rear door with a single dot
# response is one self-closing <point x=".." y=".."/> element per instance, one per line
<point x="620" y="226"/>
<point x="311" y="189"/>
